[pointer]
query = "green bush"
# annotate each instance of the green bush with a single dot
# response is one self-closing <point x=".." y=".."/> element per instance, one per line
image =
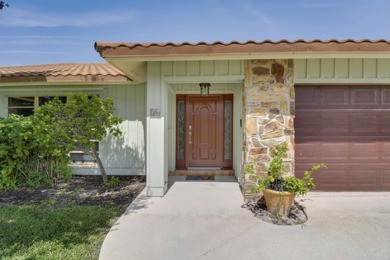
<point x="35" y="150"/>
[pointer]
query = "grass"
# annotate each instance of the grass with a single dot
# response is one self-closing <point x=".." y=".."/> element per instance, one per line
<point x="47" y="232"/>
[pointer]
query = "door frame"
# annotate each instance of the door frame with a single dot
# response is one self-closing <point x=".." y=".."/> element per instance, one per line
<point x="181" y="157"/>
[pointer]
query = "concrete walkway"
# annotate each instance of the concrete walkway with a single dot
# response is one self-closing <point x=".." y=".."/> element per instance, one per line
<point x="204" y="220"/>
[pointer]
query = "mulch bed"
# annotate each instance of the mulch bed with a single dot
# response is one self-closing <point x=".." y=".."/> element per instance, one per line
<point x="80" y="190"/>
<point x="297" y="214"/>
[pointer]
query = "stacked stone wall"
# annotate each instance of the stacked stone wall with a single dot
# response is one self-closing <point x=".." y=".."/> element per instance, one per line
<point x="269" y="109"/>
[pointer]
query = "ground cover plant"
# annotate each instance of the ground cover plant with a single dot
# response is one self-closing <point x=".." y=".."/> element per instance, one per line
<point x="65" y="221"/>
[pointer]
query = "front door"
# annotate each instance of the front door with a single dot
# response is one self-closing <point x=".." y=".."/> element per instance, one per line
<point x="205" y="131"/>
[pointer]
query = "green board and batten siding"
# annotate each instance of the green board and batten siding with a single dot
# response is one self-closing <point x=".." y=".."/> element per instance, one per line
<point x="342" y="71"/>
<point x="188" y="71"/>
<point x="126" y="154"/>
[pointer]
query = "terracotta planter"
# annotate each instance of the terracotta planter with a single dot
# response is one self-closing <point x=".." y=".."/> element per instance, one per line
<point x="278" y="202"/>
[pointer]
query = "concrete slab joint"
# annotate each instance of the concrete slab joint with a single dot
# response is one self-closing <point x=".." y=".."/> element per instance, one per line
<point x="269" y="109"/>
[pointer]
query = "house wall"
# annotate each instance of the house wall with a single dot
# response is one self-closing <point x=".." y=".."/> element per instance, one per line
<point x="342" y="71"/>
<point x="124" y="155"/>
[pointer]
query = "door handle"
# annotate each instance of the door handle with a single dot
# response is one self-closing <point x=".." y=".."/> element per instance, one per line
<point x="189" y="134"/>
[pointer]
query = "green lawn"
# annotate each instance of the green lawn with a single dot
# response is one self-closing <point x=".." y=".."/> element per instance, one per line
<point x="47" y="232"/>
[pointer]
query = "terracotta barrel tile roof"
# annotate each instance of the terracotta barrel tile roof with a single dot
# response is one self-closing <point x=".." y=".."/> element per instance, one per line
<point x="72" y="72"/>
<point x="110" y="49"/>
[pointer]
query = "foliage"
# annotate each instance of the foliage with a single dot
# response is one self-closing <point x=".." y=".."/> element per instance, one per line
<point x="277" y="179"/>
<point x="35" y="150"/>
<point x="79" y="121"/>
<point x="112" y="183"/>
<point x="3" y="4"/>
<point x="23" y="156"/>
<point x="53" y="232"/>
<point x="276" y="166"/>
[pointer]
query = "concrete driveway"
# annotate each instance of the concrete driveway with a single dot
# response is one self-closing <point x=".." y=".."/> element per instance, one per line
<point x="204" y="220"/>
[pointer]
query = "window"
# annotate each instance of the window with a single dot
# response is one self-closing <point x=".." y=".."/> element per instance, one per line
<point x="21" y="105"/>
<point x="25" y="105"/>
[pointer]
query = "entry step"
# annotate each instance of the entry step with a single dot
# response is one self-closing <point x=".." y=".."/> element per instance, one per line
<point x="201" y="173"/>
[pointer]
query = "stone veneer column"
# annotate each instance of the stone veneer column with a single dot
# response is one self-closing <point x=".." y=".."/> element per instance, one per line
<point x="269" y="109"/>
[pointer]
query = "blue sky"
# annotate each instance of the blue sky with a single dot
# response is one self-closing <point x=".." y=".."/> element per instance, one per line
<point x="54" y="31"/>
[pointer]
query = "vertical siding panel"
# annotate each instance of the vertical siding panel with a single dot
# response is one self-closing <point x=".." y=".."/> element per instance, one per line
<point x="139" y="147"/>
<point x="327" y="68"/>
<point x="369" y="68"/>
<point x="207" y="68"/>
<point x="167" y="68"/>
<point x="313" y="68"/>
<point x="235" y="67"/>
<point x="104" y="92"/>
<point x="106" y="146"/>
<point x="121" y="101"/>
<point x="221" y="68"/>
<point x="179" y="68"/>
<point x="342" y="68"/>
<point x="300" y="68"/>
<point x="111" y="93"/>
<point x="3" y="106"/>
<point x="383" y="68"/>
<point x="356" y="68"/>
<point x="131" y="135"/>
<point x="119" y="147"/>
<point x="193" y="68"/>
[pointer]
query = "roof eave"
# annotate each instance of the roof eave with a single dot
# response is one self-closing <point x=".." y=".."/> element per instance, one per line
<point x="247" y="50"/>
<point x="249" y="56"/>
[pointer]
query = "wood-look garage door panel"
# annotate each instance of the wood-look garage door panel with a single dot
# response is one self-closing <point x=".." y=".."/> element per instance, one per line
<point x="306" y="127"/>
<point x="364" y="151"/>
<point x="333" y="152"/>
<point x="385" y="181"/>
<point x="385" y="151"/>
<point x="385" y="128"/>
<point x="341" y="177"/>
<point x="307" y="152"/>
<point x="333" y="124"/>
<point x="365" y="96"/>
<point x="348" y="128"/>
<point x="334" y="97"/>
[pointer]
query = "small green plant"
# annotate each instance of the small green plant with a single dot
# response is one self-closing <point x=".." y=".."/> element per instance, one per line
<point x="37" y="179"/>
<point x="279" y="181"/>
<point x="112" y="183"/>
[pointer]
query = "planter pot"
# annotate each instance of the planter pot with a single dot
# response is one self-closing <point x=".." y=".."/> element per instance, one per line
<point x="278" y="203"/>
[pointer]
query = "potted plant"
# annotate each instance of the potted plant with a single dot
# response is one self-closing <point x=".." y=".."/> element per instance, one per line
<point x="280" y="189"/>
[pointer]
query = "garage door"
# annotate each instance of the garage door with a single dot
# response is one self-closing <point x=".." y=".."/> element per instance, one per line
<point x="348" y="128"/>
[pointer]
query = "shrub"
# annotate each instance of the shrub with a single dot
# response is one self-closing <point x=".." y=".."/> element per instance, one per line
<point x="35" y="150"/>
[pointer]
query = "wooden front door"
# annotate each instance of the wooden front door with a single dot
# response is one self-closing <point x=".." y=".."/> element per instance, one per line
<point x="201" y="131"/>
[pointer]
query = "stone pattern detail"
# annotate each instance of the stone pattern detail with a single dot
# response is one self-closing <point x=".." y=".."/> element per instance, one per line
<point x="269" y="108"/>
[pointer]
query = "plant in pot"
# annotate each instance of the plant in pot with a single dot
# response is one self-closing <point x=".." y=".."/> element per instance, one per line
<point x="280" y="189"/>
